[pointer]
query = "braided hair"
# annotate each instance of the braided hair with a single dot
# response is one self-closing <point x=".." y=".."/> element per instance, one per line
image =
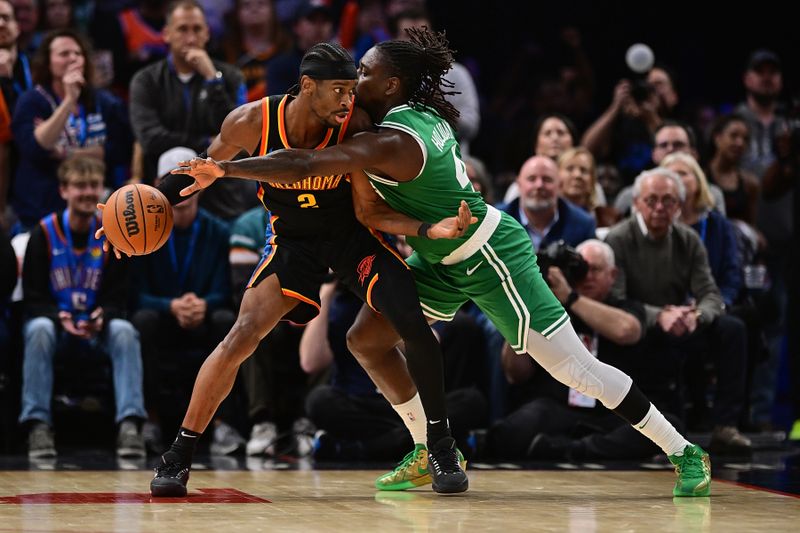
<point x="421" y="64"/>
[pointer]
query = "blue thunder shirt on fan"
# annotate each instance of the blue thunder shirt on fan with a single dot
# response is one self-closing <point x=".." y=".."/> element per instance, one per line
<point x="75" y="274"/>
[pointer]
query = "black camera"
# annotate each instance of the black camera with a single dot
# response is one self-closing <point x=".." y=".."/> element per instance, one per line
<point x="566" y="258"/>
<point x="641" y="91"/>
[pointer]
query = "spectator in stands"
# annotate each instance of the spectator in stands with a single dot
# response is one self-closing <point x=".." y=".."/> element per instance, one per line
<point x="312" y="24"/>
<point x="543" y="212"/>
<point x="552" y="135"/>
<point x="623" y="134"/>
<point x="27" y="14"/>
<point x="8" y="279"/>
<point x="716" y="232"/>
<point x="75" y="298"/>
<point x="254" y="38"/>
<point x="182" y="100"/>
<point x="15" y="77"/>
<point x="671" y="136"/>
<point x="64" y="116"/>
<point x="578" y="184"/>
<point x="549" y="423"/>
<point x="480" y="178"/>
<point x="465" y="97"/>
<point x="664" y="265"/>
<point x="53" y="15"/>
<point x="132" y="35"/>
<point x="730" y="137"/>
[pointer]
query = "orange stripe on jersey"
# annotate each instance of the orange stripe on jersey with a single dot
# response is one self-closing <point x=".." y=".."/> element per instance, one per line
<point x="263" y="264"/>
<point x="264" y="125"/>
<point x="282" y="127"/>
<point x="387" y="246"/>
<point x="372" y="283"/>
<point x="260" y="268"/>
<point x="298" y="296"/>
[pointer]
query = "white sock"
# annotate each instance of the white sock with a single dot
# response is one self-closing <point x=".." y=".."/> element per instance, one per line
<point x="413" y="416"/>
<point x="658" y="429"/>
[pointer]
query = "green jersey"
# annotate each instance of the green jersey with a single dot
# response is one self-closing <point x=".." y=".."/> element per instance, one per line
<point x="442" y="183"/>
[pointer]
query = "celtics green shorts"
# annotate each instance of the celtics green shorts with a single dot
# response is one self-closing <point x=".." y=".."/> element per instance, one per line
<point x="503" y="280"/>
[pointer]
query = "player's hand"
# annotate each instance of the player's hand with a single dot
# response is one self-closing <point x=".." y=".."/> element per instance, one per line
<point x="453" y="227"/>
<point x="204" y="171"/>
<point x="100" y="232"/>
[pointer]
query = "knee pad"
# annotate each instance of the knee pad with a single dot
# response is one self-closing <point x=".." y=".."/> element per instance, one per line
<point x="566" y="359"/>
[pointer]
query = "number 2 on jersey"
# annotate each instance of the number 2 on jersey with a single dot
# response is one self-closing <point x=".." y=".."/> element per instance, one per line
<point x="461" y="170"/>
<point x="307" y="200"/>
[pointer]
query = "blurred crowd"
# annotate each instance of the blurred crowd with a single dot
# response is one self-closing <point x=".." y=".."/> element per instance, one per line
<point x="667" y="232"/>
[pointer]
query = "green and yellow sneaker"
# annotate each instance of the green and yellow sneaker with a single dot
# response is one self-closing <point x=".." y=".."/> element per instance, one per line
<point x="412" y="471"/>
<point x="693" y="468"/>
<point x="794" y="434"/>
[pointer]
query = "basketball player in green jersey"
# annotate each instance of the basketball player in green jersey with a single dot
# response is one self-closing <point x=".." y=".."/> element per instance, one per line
<point x="413" y="162"/>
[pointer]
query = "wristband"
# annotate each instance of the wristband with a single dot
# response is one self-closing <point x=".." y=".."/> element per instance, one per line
<point x="423" y="230"/>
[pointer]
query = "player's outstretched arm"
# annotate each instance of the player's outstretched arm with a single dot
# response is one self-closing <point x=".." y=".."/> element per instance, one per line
<point x="366" y="150"/>
<point x="372" y="211"/>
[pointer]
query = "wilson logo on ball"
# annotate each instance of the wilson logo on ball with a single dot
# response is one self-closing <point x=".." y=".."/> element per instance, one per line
<point x="131" y="225"/>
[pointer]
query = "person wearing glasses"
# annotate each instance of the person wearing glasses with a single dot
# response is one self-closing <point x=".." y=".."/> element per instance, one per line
<point x="663" y="264"/>
<point x="671" y="137"/>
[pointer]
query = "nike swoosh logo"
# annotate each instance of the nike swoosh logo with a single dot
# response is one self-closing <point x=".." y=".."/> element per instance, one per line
<point x="434" y="421"/>
<point x="184" y="434"/>
<point x="645" y="422"/>
<point x="473" y="269"/>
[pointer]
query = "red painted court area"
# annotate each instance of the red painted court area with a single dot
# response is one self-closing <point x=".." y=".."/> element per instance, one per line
<point x="200" y="496"/>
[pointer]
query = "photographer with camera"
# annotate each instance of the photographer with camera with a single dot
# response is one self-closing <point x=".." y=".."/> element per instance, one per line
<point x="560" y="422"/>
<point x="539" y="208"/>
<point x="624" y="133"/>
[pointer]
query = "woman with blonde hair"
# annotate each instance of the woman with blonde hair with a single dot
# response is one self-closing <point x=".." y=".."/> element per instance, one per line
<point x="716" y="232"/>
<point x="578" y="182"/>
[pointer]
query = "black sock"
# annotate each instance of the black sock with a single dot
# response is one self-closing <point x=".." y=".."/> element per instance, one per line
<point x="634" y="406"/>
<point x="182" y="449"/>
<point x="437" y="431"/>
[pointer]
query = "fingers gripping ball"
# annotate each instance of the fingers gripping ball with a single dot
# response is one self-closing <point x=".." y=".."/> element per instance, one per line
<point x="137" y="219"/>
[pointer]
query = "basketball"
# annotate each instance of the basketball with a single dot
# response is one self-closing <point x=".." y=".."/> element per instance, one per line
<point x="137" y="219"/>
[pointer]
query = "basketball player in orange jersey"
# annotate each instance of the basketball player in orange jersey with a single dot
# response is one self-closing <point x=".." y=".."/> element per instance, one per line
<point x="316" y="228"/>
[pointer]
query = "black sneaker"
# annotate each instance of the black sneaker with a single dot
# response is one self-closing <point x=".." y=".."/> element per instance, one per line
<point x="171" y="477"/>
<point x="448" y="477"/>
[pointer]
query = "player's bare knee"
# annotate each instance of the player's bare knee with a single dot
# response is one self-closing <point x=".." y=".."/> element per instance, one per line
<point x="241" y="340"/>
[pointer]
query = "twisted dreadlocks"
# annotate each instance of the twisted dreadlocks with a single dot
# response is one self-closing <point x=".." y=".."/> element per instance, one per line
<point x="421" y="64"/>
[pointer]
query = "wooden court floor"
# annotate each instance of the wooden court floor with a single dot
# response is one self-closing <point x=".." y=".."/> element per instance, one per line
<point x="222" y="501"/>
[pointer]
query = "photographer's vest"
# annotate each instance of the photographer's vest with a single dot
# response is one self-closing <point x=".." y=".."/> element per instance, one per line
<point x="75" y="274"/>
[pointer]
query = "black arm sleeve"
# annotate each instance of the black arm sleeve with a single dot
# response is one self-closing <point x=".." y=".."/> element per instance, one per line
<point x="172" y="184"/>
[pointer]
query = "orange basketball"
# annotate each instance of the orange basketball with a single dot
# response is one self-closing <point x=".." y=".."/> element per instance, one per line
<point x="137" y="219"/>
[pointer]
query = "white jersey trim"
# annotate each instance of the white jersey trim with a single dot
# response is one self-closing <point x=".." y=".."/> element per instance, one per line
<point x="477" y="239"/>
<point x="415" y="135"/>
